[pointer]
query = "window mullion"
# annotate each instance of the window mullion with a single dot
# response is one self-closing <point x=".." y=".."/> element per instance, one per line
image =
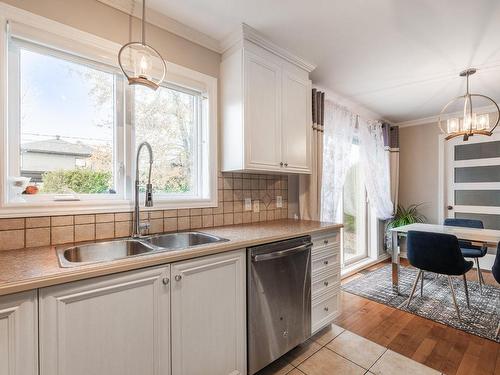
<point x="14" y="113"/>
<point x="129" y="139"/>
<point x="119" y="136"/>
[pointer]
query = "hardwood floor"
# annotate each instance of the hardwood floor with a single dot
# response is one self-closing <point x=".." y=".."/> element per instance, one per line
<point x="443" y="348"/>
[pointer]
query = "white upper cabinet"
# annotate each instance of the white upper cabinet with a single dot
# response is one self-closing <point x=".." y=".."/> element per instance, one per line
<point x="296" y="113"/>
<point x="266" y="108"/>
<point x="19" y="334"/>
<point x="262" y="110"/>
<point x="113" y="325"/>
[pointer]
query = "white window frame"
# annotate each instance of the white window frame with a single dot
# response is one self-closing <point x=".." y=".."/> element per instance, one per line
<point x="13" y="126"/>
<point x="65" y="38"/>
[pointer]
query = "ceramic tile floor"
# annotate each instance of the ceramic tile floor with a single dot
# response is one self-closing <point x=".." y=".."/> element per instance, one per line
<point x="336" y="351"/>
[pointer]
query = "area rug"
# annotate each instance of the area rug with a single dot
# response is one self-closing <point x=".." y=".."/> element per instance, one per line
<point x="436" y="304"/>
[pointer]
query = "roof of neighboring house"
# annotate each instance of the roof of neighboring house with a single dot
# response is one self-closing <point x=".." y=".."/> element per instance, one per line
<point x="57" y="146"/>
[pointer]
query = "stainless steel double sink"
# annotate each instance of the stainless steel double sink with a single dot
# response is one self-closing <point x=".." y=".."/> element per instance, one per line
<point x="131" y="247"/>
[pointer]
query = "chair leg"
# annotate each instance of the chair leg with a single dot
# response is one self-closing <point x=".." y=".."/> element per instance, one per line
<point x="480" y="272"/>
<point x="466" y="291"/>
<point x="414" y="287"/>
<point x="422" y="285"/>
<point x="454" y="298"/>
<point x="479" y="276"/>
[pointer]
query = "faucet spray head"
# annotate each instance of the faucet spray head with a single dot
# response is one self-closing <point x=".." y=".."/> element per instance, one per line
<point x="149" y="195"/>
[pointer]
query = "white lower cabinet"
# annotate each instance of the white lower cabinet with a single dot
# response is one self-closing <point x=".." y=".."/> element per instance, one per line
<point x="18" y="334"/>
<point x="113" y="325"/>
<point x="325" y="279"/>
<point x="146" y="322"/>
<point x="209" y="315"/>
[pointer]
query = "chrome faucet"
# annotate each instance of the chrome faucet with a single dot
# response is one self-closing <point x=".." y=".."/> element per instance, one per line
<point x="149" y="190"/>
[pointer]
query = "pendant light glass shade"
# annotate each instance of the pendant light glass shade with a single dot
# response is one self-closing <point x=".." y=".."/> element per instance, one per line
<point x="141" y="63"/>
<point x="471" y="122"/>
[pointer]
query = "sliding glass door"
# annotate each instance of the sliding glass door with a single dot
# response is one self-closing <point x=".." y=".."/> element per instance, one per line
<point x="354" y="213"/>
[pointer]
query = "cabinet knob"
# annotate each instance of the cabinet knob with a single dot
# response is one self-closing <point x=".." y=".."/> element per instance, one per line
<point x="281" y="164"/>
<point x="286" y="164"/>
<point x="178" y="277"/>
<point x="325" y="242"/>
<point x="326" y="283"/>
<point x="165" y="281"/>
<point x="326" y="308"/>
<point x="325" y="262"/>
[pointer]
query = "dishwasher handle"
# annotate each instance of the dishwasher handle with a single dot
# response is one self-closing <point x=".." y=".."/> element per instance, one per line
<point x="281" y="253"/>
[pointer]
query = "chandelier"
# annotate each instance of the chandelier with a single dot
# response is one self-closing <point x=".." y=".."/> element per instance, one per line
<point x="472" y="122"/>
<point x="141" y="63"/>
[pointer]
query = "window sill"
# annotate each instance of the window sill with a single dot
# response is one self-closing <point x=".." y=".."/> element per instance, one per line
<point x="53" y="208"/>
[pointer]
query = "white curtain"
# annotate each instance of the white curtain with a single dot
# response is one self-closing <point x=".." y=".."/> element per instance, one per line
<point x="376" y="168"/>
<point x="339" y="129"/>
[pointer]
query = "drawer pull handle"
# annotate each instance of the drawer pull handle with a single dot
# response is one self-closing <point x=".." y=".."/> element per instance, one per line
<point x="326" y="308"/>
<point x="325" y="242"/>
<point x="325" y="262"/>
<point x="326" y="283"/>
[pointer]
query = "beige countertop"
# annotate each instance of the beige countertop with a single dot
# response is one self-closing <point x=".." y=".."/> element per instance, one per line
<point x="33" y="268"/>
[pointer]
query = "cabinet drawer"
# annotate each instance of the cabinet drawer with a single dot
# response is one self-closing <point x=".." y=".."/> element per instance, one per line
<point x="328" y="239"/>
<point x="325" y="282"/>
<point x="325" y="259"/>
<point x="324" y="310"/>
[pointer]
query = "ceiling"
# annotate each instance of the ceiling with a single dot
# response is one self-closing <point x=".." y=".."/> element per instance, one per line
<point x="398" y="58"/>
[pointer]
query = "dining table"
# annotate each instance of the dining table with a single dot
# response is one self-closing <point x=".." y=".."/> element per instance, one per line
<point x="488" y="237"/>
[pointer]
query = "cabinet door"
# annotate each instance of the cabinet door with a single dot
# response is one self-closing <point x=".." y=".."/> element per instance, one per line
<point x="208" y="315"/>
<point x="114" y="325"/>
<point x="262" y="113"/>
<point x="296" y="126"/>
<point x="18" y="334"/>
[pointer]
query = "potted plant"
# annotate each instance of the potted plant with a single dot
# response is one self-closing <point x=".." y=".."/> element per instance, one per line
<point x="403" y="216"/>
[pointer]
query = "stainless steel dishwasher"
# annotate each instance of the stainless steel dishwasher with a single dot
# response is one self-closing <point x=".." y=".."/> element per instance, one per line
<point x="279" y="299"/>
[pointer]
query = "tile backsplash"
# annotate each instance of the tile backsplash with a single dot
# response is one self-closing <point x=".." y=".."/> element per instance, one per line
<point x="233" y="188"/>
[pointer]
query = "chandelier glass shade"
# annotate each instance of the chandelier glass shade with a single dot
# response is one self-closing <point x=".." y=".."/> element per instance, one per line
<point x="470" y="122"/>
<point x="141" y="63"/>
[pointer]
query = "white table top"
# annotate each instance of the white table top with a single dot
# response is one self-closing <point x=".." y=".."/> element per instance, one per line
<point x="489" y="236"/>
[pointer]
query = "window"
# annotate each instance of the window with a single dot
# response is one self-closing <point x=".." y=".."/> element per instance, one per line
<point x="62" y="123"/>
<point x="167" y="119"/>
<point x="74" y="125"/>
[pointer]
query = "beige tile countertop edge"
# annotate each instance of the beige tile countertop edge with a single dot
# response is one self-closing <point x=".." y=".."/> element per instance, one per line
<point x="28" y="269"/>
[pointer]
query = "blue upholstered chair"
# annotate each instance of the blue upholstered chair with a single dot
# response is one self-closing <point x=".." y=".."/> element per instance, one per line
<point x="438" y="253"/>
<point x="495" y="270"/>
<point x="468" y="249"/>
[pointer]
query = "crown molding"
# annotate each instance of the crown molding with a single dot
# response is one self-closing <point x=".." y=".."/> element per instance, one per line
<point x="432" y="120"/>
<point x="250" y="34"/>
<point x="133" y="8"/>
<point x="351" y="105"/>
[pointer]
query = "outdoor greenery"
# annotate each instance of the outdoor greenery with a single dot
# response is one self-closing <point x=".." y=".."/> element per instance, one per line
<point x="82" y="181"/>
<point x="405" y="216"/>
<point x="349" y="222"/>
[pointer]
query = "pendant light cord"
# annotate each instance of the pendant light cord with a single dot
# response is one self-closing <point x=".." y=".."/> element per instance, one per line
<point x="144" y="22"/>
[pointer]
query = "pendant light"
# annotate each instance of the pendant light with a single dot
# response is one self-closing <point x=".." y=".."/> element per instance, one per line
<point x="141" y="63"/>
<point x="472" y="122"/>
